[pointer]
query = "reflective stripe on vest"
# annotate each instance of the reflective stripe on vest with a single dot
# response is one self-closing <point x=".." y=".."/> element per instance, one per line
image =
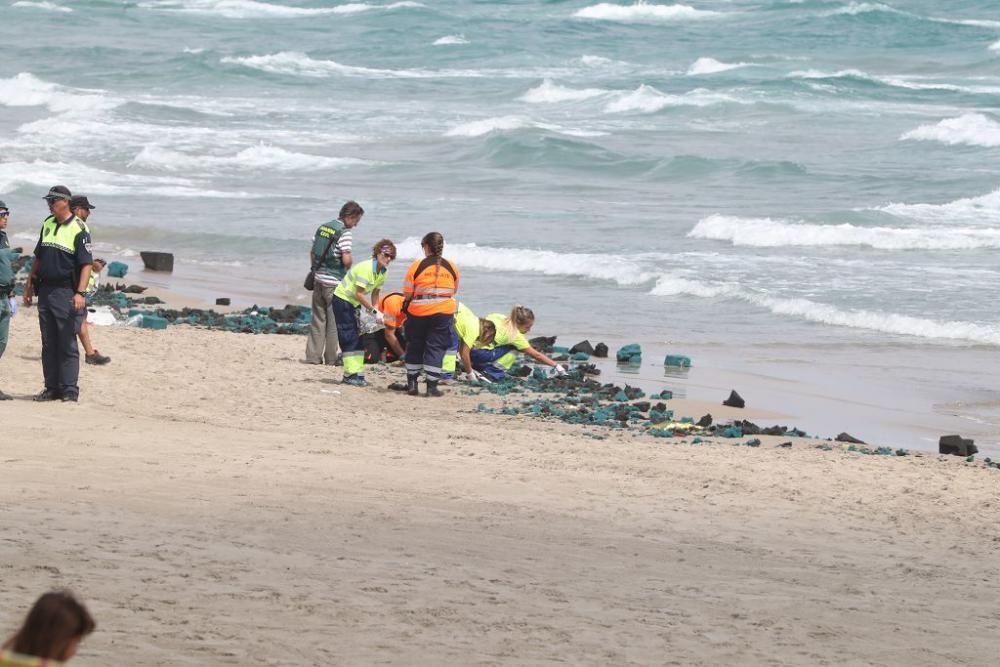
<point x="64" y="236"/>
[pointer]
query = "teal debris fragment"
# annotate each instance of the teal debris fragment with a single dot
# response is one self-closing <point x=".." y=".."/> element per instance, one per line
<point x="732" y="432"/>
<point x="664" y="395"/>
<point x="677" y="360"/>
<point x="752" y="443"/>
<point x="150" y="321"/>
<point x="117" y="269"/>
<point x="630" y="354"/>
<point x="580" y="356"/>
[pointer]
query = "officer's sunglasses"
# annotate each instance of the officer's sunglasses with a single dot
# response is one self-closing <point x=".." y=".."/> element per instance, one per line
<point x="4" y="214"/>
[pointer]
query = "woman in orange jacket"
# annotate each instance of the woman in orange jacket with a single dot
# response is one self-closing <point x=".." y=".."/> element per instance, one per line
<point x="429" y="303"/>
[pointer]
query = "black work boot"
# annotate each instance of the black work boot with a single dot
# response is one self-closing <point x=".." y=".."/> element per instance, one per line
<point x="411" y="385"/>
<point x="48" y="395"/>
<point x="432" y="388"/>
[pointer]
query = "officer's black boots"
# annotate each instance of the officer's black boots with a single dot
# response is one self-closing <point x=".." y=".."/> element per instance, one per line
<point x="411" y="385"/>
<point x="48" y="395"/>
<point x="432" y="388"/>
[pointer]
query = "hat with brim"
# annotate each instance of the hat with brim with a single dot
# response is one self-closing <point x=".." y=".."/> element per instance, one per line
<point x="81" y="201"/>
<point x="3" y="205"/>
<point x="58" y="192"/>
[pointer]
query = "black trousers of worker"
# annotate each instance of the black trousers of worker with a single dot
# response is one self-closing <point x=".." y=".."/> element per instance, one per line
<point x="427" y="341"/>
<point x="60" y="324"/>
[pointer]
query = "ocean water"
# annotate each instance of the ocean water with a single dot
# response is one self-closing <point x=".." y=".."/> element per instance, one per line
<point x="804" y="192"/>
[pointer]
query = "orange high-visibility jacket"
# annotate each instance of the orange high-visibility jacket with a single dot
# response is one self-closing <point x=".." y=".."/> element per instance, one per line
<point x="392" y="310"/>
<point x="430" y="288"/>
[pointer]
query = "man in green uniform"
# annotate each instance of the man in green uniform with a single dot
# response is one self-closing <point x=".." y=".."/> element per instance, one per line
<point x="61" y="270"/>
<point x="7" y="256"/>
<point x="330" y="256"/>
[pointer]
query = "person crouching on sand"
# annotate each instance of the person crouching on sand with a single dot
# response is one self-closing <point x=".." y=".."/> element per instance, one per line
<point x="429" y="288"/>
<point x="359" y="289"/>
<point x="495" y="360"/>
<point x="471" y="332"/>
<point x="52" y="631"/>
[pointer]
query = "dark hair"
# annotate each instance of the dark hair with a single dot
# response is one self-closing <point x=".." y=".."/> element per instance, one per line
<point x="351" y="209"/>
<point x="487" y="331"/>
<point x="435" y="243"/>
<point x="98" y="259"/>
<point x="55" y="620"/>
<point x="386" y="246"/>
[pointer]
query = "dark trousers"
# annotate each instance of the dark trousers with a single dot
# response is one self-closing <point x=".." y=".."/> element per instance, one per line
<point x="482" y="361"/>
<point x="352" y="349"/>
<point x="427" y="341"/>
<point x="60" y="324"/>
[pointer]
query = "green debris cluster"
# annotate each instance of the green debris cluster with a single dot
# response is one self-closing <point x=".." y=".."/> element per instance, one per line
<point x="257" y="320"/>
<point x="630" y="354"/>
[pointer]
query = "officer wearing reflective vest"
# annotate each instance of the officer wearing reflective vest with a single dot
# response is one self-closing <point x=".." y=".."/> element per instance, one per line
<point x="430" y="287"/>
<point x="359" y="289"/>
<point x="60" y="273"/>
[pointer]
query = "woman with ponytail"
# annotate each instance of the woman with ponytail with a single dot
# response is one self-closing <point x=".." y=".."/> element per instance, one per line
<point x="429" y="303"/>
<point x="495" y="360"/>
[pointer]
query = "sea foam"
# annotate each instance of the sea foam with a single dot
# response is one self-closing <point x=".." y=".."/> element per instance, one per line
<point x="450" y="40"/>
<point x="909" y="83"/>
<point x="982" y="210"/>
<point x="643" y="12"/>
<point x="711" y="66"/>
<point x="601" y="266"/>
<point x="48" y="6"/>
<point x="820" y="313"/>
<point x="251" y="9"/>
<point x="27" y="90"/>
<point x="971" y="129"/>
<point x="770" y="233"/>
<point x="550" y="93"/>
<point x="646" y="99"/>
<point x="271" y="158"/>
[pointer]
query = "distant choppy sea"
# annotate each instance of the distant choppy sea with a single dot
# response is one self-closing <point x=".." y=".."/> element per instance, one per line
<point x="817" y="174"/>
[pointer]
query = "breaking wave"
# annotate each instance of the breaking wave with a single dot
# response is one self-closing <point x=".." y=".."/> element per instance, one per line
<point x="647" y="99"/>
<point x="48" y="6"/>
<point x="643" y="12"/>
<point x="820" y="313"/>
<point x="449" y="40"/>
<point x="768" y="233"/>
<point x="256" y="157"/>
<point x="712" y="66"/>
<point x="980" y="210"/>
<point x="908" y="83"/>
<point x="550" y="93"/>
<point x="250" y="9"/>
<point x="971" y="129"/>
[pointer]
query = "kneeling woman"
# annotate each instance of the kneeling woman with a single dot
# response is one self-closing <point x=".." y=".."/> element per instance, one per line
<point x="470" y="332"/>
<point x="429" y="291"/>
<point x="359" y="289"/>
<point x="494" y="361"/>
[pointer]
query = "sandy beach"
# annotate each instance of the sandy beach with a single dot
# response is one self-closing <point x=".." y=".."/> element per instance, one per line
<point x="217" y="502"/>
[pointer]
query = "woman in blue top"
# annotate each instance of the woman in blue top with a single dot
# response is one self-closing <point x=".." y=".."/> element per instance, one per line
<point x="359" y="289"/>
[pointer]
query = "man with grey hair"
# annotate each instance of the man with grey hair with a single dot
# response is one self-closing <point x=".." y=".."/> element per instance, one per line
<point x="62" y="271"/>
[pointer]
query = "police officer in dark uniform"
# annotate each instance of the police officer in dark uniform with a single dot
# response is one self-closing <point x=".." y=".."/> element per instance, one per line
<point x="60" y="273"/>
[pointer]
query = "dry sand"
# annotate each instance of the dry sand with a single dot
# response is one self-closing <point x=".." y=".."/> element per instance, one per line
<point x="217" y="502"/>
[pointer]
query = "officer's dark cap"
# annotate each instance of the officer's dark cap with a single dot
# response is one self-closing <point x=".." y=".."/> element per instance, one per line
<point x="81" y="201"/>
<point x="58" y="192"/>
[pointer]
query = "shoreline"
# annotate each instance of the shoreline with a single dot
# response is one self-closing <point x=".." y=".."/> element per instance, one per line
<point x="219" y="501"/>
<point x="826" y="402"/>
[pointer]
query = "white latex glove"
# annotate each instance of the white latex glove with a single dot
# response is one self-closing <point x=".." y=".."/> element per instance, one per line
<point x="380" y="318"/>
<point x="469" y="377"/>
<point x="559" y="369"/>
<point x="481" y="378"/>
<point x="12" y="302"/>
